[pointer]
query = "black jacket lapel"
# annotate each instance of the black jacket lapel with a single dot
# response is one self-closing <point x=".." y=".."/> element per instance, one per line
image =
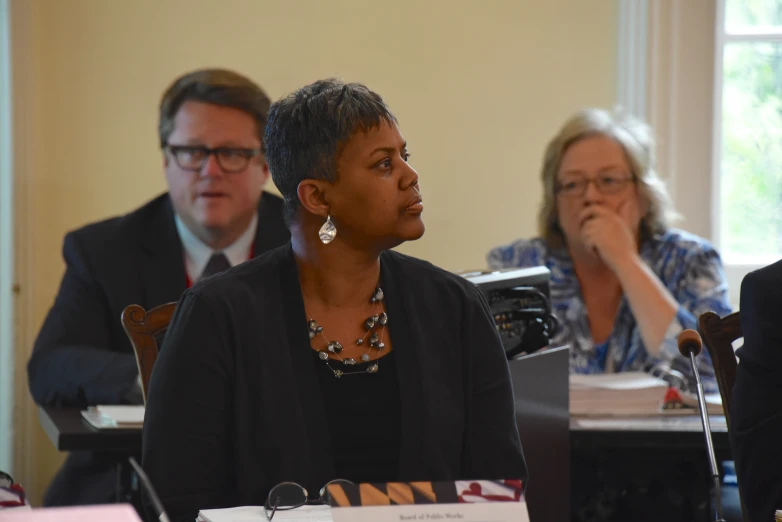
<point x="162" y="264"/>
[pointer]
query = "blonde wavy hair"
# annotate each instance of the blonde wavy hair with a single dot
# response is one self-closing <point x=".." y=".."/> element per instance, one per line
<point x="636" y="139"/>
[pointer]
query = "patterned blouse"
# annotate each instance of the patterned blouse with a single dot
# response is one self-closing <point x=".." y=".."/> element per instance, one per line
<point x="688" y="266"/>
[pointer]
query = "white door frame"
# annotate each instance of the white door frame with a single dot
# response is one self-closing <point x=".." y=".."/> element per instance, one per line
<point x="7" y="355"/>
<point x="21" y="127"/>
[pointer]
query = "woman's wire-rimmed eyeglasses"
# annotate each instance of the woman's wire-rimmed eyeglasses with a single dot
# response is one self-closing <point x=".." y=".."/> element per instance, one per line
<point x="608" y="183"/>
<point x="290" y="495"/>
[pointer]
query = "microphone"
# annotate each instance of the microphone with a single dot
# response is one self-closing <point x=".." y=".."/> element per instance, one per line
<point x="150" y="490"/>
<point x="690" y="345"/>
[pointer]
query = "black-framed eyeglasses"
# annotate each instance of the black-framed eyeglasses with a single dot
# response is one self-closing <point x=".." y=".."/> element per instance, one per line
<point x="609" y="183"/>
<point x="290" y="495"/>
<point x="194" y="157"/>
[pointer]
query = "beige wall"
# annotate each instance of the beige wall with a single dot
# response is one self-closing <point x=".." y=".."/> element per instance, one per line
<point x="478" y="87"/>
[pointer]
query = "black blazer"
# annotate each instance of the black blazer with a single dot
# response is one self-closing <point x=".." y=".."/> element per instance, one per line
<point x="82" y="355"/>
<point x="756" y="407"/>
<point x="234" y="405"/>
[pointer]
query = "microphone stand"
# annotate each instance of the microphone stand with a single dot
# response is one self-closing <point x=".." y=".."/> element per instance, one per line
<point x="715" y="475"/>
<point x="146" y="484"/>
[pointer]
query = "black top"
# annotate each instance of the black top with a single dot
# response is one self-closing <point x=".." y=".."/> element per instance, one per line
<point x="363" y="414"/>
<point x="756" y="405"/>
<point x="234" y="403"/>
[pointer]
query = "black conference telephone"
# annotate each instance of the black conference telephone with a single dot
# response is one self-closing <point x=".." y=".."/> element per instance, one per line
<point x="519" y="303"/>
<point x="524" y="319"/>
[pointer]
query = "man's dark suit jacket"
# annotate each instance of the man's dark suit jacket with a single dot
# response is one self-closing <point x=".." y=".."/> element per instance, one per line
<point x="756" y="407"/>
<point x="82" y="356"/>
<point x="235" y="406"/>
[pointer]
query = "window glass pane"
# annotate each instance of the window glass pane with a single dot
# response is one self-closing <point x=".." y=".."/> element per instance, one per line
<point x="751" y="163"/>
<point x="752" y="13"/>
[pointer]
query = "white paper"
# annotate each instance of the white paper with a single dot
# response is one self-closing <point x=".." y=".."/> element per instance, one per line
<point x="711" y="398"/>
<point x="658" y="423"/>
<point x="123" y="414"/>
<point x="483" y="512"/>
<point x="320" y="513"/>
<point x="105" y="513"/>
<point x="616" y="381"/>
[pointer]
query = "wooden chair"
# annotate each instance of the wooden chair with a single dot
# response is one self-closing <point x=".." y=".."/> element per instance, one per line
<point x="718" y="334"/>
<point x="143" y="329"/>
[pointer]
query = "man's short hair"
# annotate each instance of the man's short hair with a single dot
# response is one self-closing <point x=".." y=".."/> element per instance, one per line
<point x="218" y="87"/>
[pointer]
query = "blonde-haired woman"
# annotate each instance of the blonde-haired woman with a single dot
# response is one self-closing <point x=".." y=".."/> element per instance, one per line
<point x="623" y="282"/>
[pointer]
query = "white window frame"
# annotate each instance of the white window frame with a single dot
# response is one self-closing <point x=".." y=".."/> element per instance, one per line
<point x="631" y="54"/>
<point x="665" y="54"/>
<point x="735" y="267"/>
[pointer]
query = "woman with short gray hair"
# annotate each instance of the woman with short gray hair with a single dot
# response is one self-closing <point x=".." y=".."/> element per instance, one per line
<point x="623" y="282"/>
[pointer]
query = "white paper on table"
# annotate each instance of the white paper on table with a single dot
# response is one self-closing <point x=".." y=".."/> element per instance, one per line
<point x="320" y="513"/>
<point x="616" y="381"/>
<point x="115" y="417"/>
<point x="480" y="512"/>
<point x="123" y="414"/>
<point x="104" y="513"/>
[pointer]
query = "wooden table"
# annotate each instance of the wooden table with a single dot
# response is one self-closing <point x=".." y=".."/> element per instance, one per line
<point x="664" y="434"/>
<point x="670" y="431"/>
<point x="68" y="431"/>
<point x="646" y="453"/>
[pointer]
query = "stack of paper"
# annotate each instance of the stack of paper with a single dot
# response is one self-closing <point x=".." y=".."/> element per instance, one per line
<point x="319" y="513"/>
<point x="689" y="402"/>
<point x="122" y="417"/>
<point x="626" y="393"/>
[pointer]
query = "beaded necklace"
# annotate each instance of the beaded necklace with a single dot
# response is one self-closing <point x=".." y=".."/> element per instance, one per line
<point x="373" y="339"/>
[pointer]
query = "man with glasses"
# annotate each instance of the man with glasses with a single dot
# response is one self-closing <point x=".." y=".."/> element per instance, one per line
<point x="215" y="215"/>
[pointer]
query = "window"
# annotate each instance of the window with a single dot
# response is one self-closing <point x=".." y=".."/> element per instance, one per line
<point x="748" y="134"/>
<point x="710" y="84"/>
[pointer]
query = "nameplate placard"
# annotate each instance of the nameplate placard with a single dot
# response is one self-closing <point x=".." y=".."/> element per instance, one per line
<point x="464" y="501"/>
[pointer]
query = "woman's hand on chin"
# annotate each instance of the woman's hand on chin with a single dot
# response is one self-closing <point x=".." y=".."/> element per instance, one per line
<point x="607" y="234"/>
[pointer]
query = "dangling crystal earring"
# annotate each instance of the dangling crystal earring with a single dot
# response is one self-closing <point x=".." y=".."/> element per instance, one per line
<point x="328" y="231"/>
